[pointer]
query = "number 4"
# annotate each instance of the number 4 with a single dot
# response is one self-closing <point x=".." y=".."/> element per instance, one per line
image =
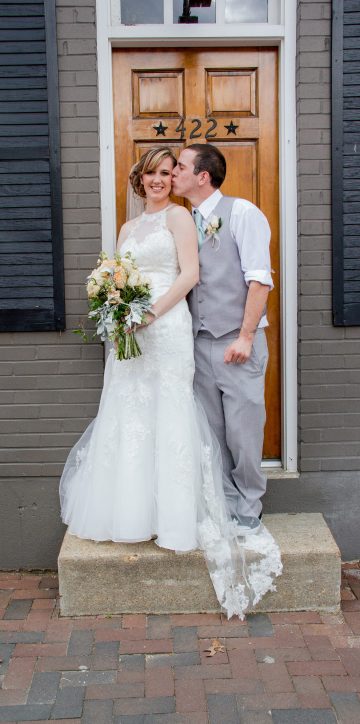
<point x="181" y="128"/>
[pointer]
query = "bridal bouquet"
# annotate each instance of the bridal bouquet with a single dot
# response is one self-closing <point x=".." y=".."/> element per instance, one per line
<point x="119" y="297"/>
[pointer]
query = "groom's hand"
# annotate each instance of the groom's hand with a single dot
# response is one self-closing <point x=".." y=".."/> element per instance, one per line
<point x="239" y="351"/>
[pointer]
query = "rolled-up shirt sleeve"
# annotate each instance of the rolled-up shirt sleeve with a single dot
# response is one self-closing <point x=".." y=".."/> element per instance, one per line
<point x="251" y="231"/>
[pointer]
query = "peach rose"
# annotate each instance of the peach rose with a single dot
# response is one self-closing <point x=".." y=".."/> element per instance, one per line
<point x="119" y="277"/>
<point x="114" y="298"/>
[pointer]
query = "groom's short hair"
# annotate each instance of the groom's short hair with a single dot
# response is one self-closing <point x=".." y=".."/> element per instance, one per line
<point x="209" y="158"/>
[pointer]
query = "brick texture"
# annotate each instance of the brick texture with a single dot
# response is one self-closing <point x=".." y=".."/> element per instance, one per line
<point x="277" y="677"/>
<point x="329" y="373"/>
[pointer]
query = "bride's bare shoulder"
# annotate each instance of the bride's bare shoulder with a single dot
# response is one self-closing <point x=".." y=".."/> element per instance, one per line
<point x="127" y="226"/>
<point x="178" y="213"/>
<point x="124" y="232"/>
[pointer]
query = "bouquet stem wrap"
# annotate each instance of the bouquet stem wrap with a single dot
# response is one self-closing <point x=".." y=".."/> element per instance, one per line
<point x="127" y="346"/>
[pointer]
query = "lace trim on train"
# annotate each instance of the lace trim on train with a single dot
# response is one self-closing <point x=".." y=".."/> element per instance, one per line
<point x="242" y="569"/>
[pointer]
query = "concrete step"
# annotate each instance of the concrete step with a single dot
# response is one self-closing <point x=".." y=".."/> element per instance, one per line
<point x="100" y="578"/>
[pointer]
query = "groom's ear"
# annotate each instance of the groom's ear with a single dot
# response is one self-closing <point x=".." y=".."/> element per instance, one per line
<point x="204" y="178"/>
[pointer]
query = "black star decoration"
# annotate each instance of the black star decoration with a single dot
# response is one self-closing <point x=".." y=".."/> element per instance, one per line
<point x="231" y="128"/>
<point x="160" y="129"/>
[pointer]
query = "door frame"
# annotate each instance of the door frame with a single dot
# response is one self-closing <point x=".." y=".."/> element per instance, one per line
<point x="284" y="37"/>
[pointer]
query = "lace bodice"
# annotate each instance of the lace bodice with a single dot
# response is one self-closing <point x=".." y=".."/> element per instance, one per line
<point x="153" y="246"/>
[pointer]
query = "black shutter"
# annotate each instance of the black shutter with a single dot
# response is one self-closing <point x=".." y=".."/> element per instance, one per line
<point x="346" y="161"/>
<point x="31" y="243"/>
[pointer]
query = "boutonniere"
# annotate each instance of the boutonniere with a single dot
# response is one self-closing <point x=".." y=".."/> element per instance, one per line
<point x="212" y="227"/>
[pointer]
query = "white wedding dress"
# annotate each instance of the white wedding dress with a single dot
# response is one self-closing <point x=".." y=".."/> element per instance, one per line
<point x="148" y="465"/>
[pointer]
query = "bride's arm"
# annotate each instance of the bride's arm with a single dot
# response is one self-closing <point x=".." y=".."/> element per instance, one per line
<point x="182" y="227"/>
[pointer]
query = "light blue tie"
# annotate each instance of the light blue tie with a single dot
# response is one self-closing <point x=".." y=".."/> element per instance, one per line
<point x="198" y="218"/>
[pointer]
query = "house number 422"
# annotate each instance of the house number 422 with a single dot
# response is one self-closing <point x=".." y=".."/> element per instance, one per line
<point x="195" y="131"/>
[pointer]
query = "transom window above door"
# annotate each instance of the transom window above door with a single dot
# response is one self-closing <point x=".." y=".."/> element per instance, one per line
<point x="194" y="12"/>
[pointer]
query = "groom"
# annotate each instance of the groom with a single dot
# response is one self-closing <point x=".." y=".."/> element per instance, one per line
<point x="228" y="308"/>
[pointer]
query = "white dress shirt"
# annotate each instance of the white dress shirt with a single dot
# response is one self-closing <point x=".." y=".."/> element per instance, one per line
<point x="251" y="232"/>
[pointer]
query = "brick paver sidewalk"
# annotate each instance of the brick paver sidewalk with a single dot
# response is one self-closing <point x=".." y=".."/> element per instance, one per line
<point x="296" y="668"/>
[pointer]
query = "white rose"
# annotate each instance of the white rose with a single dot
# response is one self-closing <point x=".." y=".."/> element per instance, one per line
<point x="92" y="289"/>
<point x="134" y="279"/>
<point x="97" y="276"/>
<point x="128" y="264"/>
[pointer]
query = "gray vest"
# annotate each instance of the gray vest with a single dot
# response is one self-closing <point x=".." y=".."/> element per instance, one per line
<point x="218" y="301"/>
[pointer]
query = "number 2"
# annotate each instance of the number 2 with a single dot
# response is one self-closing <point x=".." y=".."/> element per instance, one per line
<point x="197" y="125"/>
<point x="213" y="125"/>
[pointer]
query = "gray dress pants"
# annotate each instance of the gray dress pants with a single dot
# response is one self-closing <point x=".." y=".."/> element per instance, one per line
<point x="233" y="398"/>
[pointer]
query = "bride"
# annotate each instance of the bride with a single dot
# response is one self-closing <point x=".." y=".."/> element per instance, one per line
<point x="149" y="466"/>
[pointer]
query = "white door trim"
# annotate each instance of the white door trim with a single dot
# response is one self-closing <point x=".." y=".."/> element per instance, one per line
<point x="288" y="236"/>
<point x="284" y="36"/>
<point x="106" y="128"/>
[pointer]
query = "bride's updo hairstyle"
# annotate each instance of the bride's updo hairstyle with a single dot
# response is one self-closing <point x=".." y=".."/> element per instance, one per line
<point x="148" y="163"/>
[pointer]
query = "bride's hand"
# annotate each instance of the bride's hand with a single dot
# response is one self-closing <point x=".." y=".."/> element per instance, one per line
<point x="148" y="319"/>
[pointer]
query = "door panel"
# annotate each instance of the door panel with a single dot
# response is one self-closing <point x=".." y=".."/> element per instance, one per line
<point x="158" y="94"/>
<point x="241" y="164"/>
<point x="226" y="97"/>
<point x="231" y="92"/>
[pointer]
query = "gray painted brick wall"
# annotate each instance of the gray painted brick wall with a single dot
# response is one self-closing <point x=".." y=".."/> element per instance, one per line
<point x="50" y="382"/>
<point x="329" y="369"/>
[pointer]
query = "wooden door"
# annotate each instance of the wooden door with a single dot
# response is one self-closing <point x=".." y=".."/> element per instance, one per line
<point x="224" y="96"/>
